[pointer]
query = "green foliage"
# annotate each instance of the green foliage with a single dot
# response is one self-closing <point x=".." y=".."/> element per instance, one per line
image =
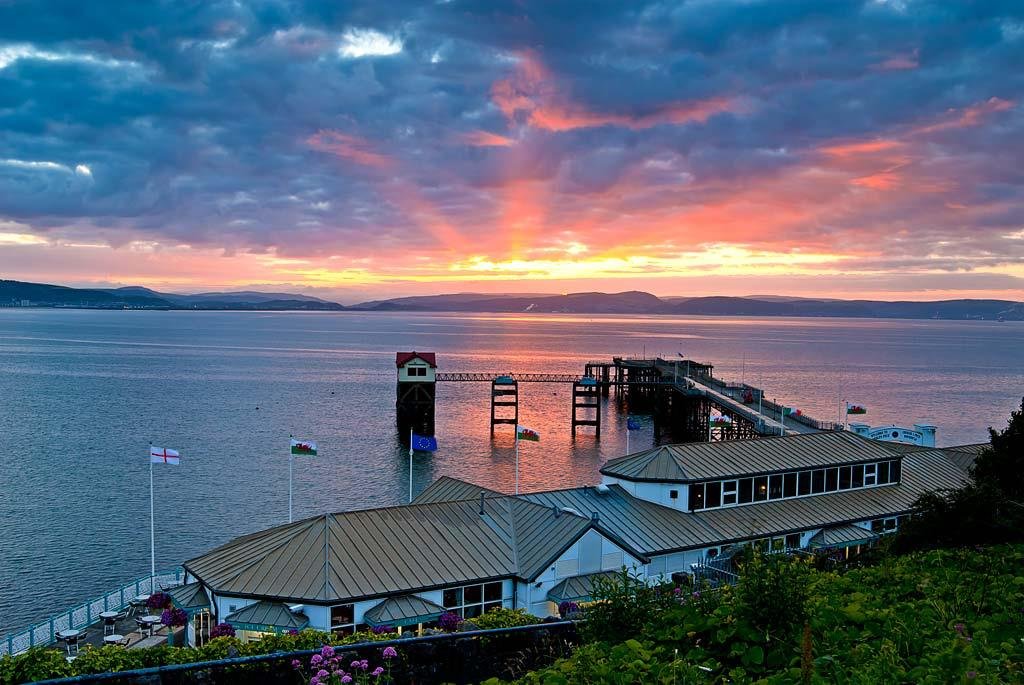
<point x="41" y="662"/>
<point x="624" y="604"/>
<point x="944" y="616"/>
<point x="772" y="593"/>
<point x="630" y="662"/>
<point x="987" y="510"/>
<point x="501" y="617"/>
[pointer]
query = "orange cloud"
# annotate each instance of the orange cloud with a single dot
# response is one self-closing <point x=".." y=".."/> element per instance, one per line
<point x="860" y="147"/>
<point x="899" y="62"/>
<point x="531" y="96"/>
<point x="348" y="147"/>
<point x="969" y="116"/>
<point x="486" y="139"/>
<point x="884" y="180"/>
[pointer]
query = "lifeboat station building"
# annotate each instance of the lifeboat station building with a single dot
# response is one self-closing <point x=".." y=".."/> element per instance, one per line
<point x="463" y="548"/>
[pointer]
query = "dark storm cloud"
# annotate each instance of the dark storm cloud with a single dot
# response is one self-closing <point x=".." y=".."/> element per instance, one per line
<point x="246" y="125"/>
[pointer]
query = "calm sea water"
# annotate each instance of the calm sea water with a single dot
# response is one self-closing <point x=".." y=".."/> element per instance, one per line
<point x="83" y="393"/>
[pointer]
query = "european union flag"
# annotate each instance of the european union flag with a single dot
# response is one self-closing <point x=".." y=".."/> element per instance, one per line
<point x="632" y="424"/>
<point x="423" y="443"/>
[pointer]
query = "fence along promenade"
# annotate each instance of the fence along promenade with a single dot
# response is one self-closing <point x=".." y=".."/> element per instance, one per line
<point x="86" y="613"/>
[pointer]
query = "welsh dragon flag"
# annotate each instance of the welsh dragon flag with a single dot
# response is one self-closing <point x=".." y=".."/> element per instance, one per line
<point x="856" y="408"/>
<point x="524" y="433"/>
<point x="304" y="447"/>
<point x="721" y="420"/>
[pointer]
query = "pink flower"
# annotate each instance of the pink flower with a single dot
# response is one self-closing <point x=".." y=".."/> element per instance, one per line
<point x="364" y="664"/>
<point x="390" y="653"/>
<point x="314" y="681"/>
<point x="327" y="652"/>
<point x="316" y="660"/>
<point x="321" y="674"/>
<point x="346" y="678"/>
<point x="296" y="663"/>
<point x="355" y="664"/>
<point x="377" y="671"/>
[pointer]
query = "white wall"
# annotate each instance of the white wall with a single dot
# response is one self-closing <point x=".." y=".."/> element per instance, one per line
<point x="659" y="493"/>
<point x="403" y="372"/>
<point x="534" y="596"/>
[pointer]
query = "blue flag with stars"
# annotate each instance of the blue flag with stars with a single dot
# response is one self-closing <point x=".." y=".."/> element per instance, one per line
<point x="424" y="443"/>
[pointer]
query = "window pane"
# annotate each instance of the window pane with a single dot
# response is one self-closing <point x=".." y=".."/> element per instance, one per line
<point x="775" y="487"/>
<point x="804" y="483"/>
<point x="876" y="526"/>
<point x="697" y="496"/>
<point x="452" y="597"/>
<point x="844" y="478"/>
<point x="473" y="611"/>
<point x="472" y="594"/>
<point x="818" y="481"/>
<point x="831" y="480"/>
<point x="728" y="498"/>
<point x="883" y="472"/>
<point x="857" y="477"/>
<point x="491" y="605"/>
<point x="895" y="472"/>
<point x="728" y="486"/>
<point x="789" y="485"/>
<point x="760" y="488"/>
<point x="793" y="541"/>
<point x="746" y="490"/>
<point x="713" y="495"/>
<point x="492" y="591"/>
<point x="778" y="544"/>
<point x="342" y="614"/>
<point x="889" y="524"/>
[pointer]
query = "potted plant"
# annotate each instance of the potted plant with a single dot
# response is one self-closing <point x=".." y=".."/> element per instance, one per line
<point x="173" y="618"/>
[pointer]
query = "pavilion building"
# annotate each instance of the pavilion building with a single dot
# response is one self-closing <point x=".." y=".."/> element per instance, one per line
<point x="464" y="548"/>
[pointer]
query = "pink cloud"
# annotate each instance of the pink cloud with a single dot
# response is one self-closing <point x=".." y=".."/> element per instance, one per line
<point x="348" y="147"/>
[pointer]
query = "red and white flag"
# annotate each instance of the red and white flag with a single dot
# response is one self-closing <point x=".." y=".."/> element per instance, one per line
<point x="162" y="455"/>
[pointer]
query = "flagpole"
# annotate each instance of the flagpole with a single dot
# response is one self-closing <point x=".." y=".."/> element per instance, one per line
<point x="627" y="435"/>
<point x="782" y="420"/>
<point x="291" y="460"/>
<point x="410" y="466"/>
<point x="152" y="534"/>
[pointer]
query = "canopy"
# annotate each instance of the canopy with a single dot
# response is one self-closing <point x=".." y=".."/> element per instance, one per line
<point x="267" y="617"/>
<point x="403" y="610"/>
<point x="841" y="536"/>
<point x="192" y="598"/>
<point x="577" y="588"/>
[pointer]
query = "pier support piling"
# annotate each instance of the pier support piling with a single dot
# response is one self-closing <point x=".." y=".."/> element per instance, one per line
<point x="586" y="396"/>
<point x="504" y="396"/>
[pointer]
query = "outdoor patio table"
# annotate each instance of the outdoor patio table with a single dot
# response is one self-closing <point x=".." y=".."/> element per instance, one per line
<point x="151" y="621"/>
<point x="113" y="639"/>
<point x="68" y="633"/>
<point x="108" y="614"/>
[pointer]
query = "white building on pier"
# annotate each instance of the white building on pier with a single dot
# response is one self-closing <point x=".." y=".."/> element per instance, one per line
<point x="463" y="548"/>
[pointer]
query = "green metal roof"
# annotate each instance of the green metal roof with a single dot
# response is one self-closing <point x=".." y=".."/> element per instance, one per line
<point x="841" y="536"/>
<point x="267" y="617"/>
<point x="577" y="588"/>
<point x="404" y="610"/>
<point x="393" y="550"/>
<point x="699" y="461"/>
<point x="192" y="598"/>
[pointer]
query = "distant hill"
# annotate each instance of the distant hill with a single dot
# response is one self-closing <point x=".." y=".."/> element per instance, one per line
<point x="15" y="293"/>
<point x="637" y="302"/>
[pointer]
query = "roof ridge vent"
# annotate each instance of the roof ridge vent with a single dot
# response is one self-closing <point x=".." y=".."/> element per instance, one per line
<point x="602" y="489"/>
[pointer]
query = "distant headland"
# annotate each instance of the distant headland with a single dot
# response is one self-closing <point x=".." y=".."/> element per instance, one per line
<point x="22" y="294"/>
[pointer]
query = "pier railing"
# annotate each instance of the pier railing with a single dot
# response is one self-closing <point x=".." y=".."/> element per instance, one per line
<point x="87" y="613"/>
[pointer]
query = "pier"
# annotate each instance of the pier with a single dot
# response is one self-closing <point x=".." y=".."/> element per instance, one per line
<point x="682" y="395"/>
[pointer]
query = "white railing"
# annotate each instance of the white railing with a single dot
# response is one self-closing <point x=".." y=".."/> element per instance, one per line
<point x="87" y="613"/>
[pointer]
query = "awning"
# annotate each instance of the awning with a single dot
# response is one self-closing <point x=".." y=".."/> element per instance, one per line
<point x="192" y="598"/>
<point x="841" y="536"/>
<point x="403" y="610"/>
<point x="267" y="617"/>
<point x="577" y="588"/>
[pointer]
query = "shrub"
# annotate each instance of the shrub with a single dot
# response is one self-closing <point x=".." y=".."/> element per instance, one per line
<point x="504" y="618"/>
<point x="174" y="617"/>
<point x="449" y="621"/>
<point x="772" y="593"/>
<point x="624" y="604"/>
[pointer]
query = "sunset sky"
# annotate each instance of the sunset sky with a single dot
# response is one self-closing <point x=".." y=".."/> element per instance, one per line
<point x="373" y="149"/>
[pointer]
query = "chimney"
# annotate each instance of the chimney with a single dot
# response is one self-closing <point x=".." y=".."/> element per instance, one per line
<point x="481" y="503"/>
<point x="558" y="512"/>
<point x="595" y="517"/>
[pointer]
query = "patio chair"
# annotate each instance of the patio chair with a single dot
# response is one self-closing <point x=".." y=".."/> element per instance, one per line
<point x="144" y="628"/>
<point x="71" y="644"/>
